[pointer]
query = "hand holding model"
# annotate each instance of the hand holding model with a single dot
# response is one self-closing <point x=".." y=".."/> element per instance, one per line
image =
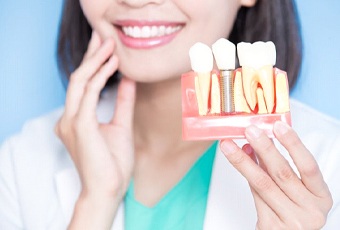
<point x="102" y="153"/>
<point x="282" y="198"/>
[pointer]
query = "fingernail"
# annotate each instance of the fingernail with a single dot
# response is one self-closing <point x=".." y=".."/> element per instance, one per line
<point x="253" y="132"/>
<point x="281" y="128"/>
<point x="228" y="147"/>
<point x="248" y="149"/>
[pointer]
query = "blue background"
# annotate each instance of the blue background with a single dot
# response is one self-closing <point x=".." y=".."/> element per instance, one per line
<point x="30" y="83"/>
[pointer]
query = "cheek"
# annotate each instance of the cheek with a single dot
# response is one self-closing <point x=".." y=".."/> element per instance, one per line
<point x="86" y="6"/>
<point x="93" y="10"/>
<point x="212" y="19"/>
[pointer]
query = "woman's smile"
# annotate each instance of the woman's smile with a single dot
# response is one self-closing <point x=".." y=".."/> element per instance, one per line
<point x="147" y="34"/>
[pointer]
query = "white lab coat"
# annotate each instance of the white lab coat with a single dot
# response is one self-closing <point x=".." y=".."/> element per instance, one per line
<point x="39" y="184"/>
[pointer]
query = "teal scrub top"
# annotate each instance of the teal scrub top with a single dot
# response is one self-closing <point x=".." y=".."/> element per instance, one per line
<point x="183" y="207"/>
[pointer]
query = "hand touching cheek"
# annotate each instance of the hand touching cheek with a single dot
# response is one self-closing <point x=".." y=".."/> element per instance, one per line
<point x="102" y="153"/>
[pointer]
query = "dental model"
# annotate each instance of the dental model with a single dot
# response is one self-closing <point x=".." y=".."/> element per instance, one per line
<point x="224" y="52"/>
<point x="255" y="94"/>
<point x="215" y="96"/>
<point x="240" y="101"/>
<point x="202" y="62"/>
<point x="282" y="93"/>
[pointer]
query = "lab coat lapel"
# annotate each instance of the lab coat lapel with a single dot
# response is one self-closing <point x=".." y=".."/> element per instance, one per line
<point x="68" y="189"/>
<point x="230" y="204"/>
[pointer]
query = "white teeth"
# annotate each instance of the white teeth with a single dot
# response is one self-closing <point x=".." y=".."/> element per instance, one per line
<point x="154" y="31"/>
<point x="224" y="53"/>
<point x="256" y="55"/>
<point x="168" y="30"/>
<point x="149" y="31"/>
<point x="201" y="58"/>
<point x="161" y="31"/>
<point x="137" y="32"/>
<point x="257" y="61"/>
<point x="146" y="31"/>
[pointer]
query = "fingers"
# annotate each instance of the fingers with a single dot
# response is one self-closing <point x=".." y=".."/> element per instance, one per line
<point x="91" y="65"/>
<point x="265" y="214"/>
<point x="279" y="194"/>
<point x="83" y="74"/>
<point x="87" y="110"/>
<point x="276" y="165"/>
<point x="124" y="108"/>
<point x="258" y="179"/>
<point x="94" y="44"/>
<point x="303" y="159"/>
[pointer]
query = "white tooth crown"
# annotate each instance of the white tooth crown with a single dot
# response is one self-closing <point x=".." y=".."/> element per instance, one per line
<point x="201" y="58"/>
<point x="224" y="53"/>
<point x="256" y="55"/>
<point x="149" y="31"/>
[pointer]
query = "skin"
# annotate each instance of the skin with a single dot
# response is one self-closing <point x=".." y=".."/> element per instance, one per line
<point x="130" y="144"/>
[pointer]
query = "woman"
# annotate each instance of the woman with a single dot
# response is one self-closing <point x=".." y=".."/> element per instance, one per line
<point x="135" y="153"/>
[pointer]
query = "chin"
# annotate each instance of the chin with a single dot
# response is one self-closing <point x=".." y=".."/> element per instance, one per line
<point x="150" y="75"/>
<point x="145" y="78"/>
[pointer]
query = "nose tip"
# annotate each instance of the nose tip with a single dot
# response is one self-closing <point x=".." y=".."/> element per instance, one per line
<point x="139" y="3"/>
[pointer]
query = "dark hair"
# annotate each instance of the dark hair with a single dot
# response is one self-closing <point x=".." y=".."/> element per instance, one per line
<point x="277" y="21"/>
<point x="268" y="20"/>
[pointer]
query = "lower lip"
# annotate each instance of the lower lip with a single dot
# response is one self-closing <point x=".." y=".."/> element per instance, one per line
<point x="146" y="43"/>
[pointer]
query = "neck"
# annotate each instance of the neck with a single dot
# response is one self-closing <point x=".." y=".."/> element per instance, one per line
<point x="158" y="112"/>
<point x="158" y="118"/>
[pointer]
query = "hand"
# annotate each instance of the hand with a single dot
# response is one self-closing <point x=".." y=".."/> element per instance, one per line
<point x="283" y="199"/>
<point x="103" y="153"/>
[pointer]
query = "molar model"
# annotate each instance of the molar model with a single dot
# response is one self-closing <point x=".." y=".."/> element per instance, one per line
<point x="257" y="61"/>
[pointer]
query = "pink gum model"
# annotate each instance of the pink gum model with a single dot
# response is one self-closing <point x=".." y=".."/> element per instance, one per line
<point x="216" y="127"/>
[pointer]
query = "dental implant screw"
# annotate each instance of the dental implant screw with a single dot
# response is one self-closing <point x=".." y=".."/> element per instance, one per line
<point x="227" y="91"/>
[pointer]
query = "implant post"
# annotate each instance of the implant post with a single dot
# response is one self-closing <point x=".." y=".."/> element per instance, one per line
<point x="227" y="91"/>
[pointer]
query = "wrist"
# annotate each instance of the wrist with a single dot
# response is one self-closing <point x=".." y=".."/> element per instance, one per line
<point x="99" y="199"/>
<point x="105" y="191"/>
<point x="94" y="211"/>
